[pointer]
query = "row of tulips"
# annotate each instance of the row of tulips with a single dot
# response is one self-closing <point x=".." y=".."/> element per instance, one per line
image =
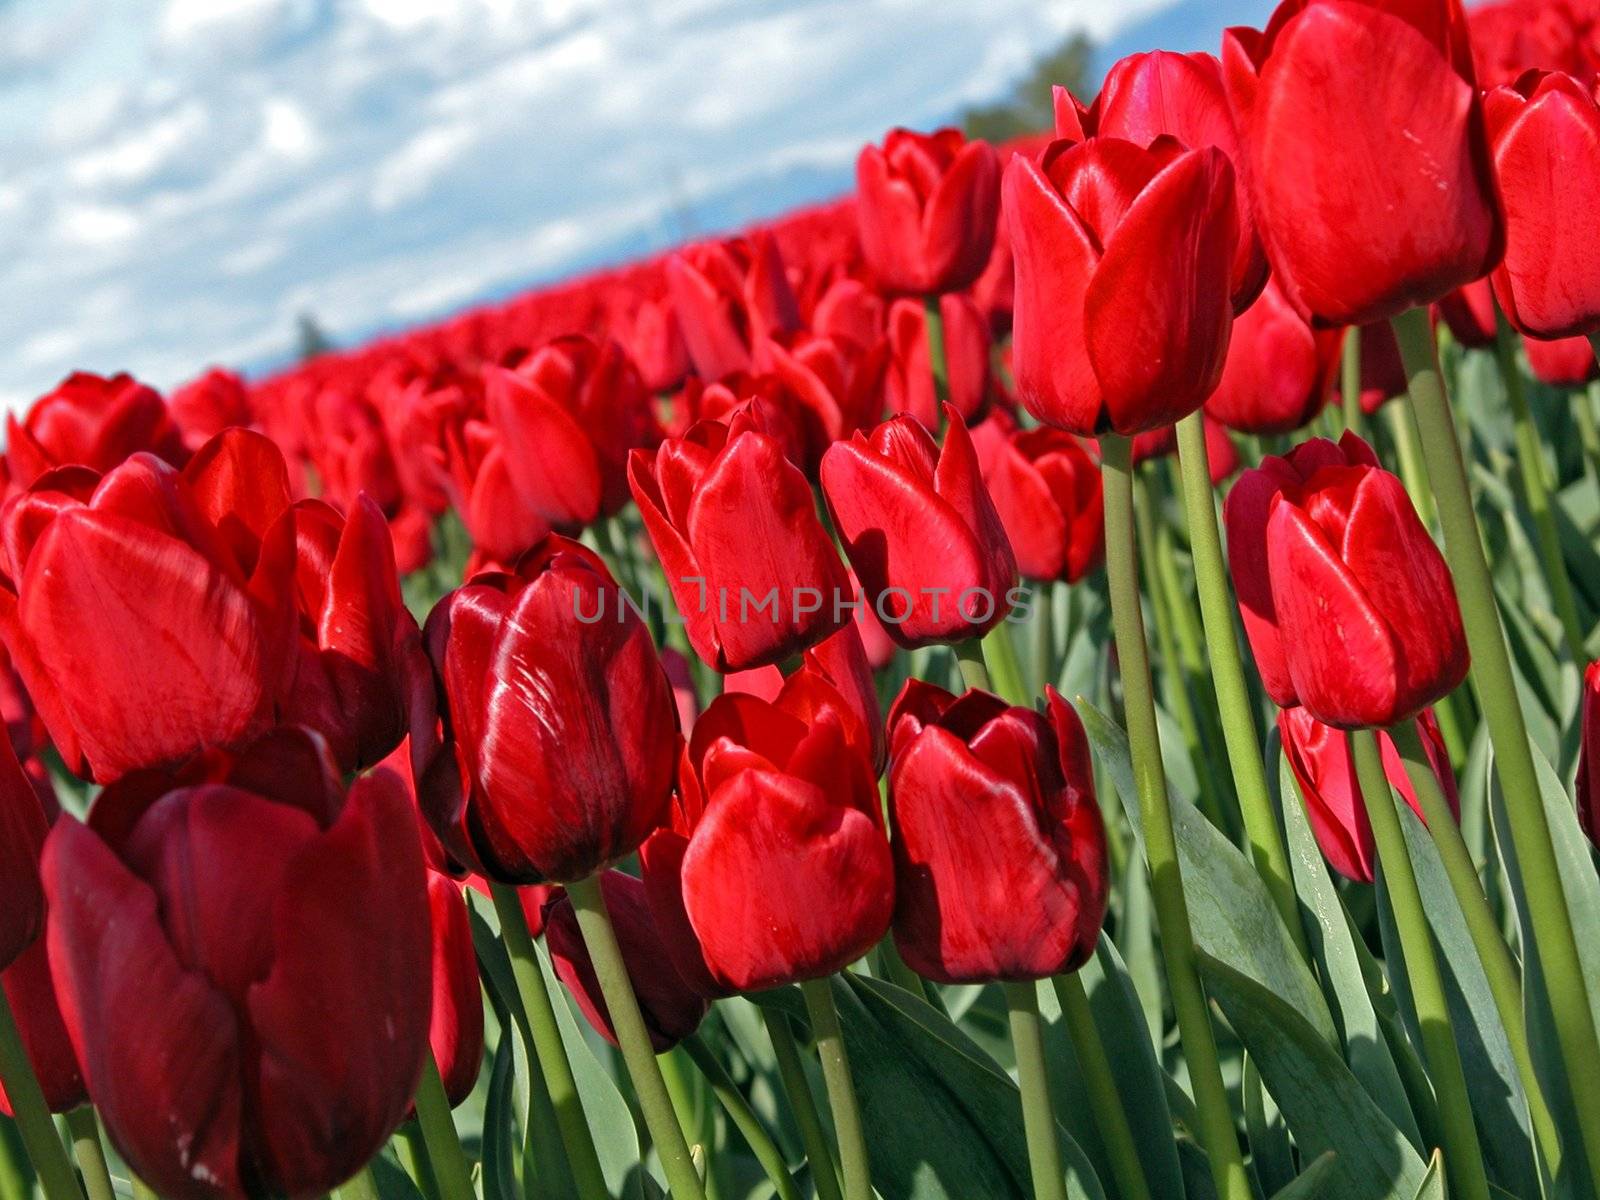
<point x="653" y="737"/>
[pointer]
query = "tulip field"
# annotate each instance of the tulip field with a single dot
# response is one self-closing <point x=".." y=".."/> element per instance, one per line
<point x="1069" y="672"/>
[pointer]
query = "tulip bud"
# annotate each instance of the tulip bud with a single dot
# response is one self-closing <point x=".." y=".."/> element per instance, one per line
<point x="1123" y="258"/>
<point x="1046" y="487"/>
<point x="920" y="531"/>
<point x="1588" y="747"/>
<point x="206" y="406"/>
<point x="671" y="1009"/>
<point x="23" y="826"/>
<point x="1469" y="312"/>
<point x="247" y="1017"/>
<point x="32" y="996"/>
<point x="559" y="721"/>
<point x="926" y="206"/>
<point x="966" y="357"/>
<point x="1362" y="142"/>
<point x="1027" y="898"/>
<point x="1545" y="134"/>
<point x="92" y="422"/>
<point x="657" y="346"/>
<point x="850" y="311"/>
<point x="731" y="298"/>
<point x="455" y="1028"/>
<point x="1319" y="755"/>
<point x="1280" y="371"/>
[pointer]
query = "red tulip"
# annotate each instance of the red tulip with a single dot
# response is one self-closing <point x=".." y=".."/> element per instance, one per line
<point x="1123" y="262"/>
<point x="1026" y="899"/>
<point x="966" y="356"/>
<point x="926" y="206"/>
<point x="994" y="291"/>
<point x="1470" y="314"/>
<point x="455" y="1029"/>
<point x="502" y="521"/>
<point x="1320" y="758"/>
<point x="1565" y="362"/>
<point x="32" y="996"/>
<point x="1046" y="488"/>
<point x="93" y="422"/>
<point x="1513" y="36"/>
<point x="1361" y="134"/>
<point x="850" y="311"/>
<point x="920" y="530"/>
<point x="249" y="1018"/>
<point x="560" y="724"/>
<point x="1383" y="373"/>
<point x="1180" y="95"/>
<point x="734" y="523"/>
<point x="731" y="297"/>
<point x="23" y="826"/>
<point x="1280" y="370"/>
<point x="206" y="406"/>
<point x="1222" y="456"/>
<point x="1545" y="134"/>
<point x="774" y="867"/>
<point x="1588" y="748"/>
<point x="672" y="1010"/>
<point x="657" y="346"/>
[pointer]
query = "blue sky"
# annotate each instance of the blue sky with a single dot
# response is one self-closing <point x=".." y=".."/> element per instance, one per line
<point x="180" y="178"/>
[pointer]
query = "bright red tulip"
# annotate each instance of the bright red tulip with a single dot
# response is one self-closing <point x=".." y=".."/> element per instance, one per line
<point x="455" y="1029"/>
<point x="93" y="422"/>
<point x="966" y="355"/>
<point x="249" y="1014"/>
<point x="926" y="206"/>
<point x="1320" y="758"/>
<point x="206" y="406"/>
<point x="1026" y="899"/>
<point x="920" y="531"/>
<point x="850" y="311"/>
<point x="1046" y="487"/>
<point x="560" y="724"/>
<point x="731" y="297"/>
<point x="32" y="996"/>
<point x="657" y="346"/>
<point x="1123" y="263"/>
<point x="734" y="523"/>
<point x="1280" y="370"/>
<point x="1362" y="143"/>
<point x="1565" y="362"/>
<point x="672" y="1010"/>
<point x="1545" y="134"/>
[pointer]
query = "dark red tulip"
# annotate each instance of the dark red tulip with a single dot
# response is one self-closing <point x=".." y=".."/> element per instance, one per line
<point x="560" y="724"/>
<point x="1123" y="298"/>
<point x="249" y="1019"/>
<point x="1046" y="487"/>
<point x="734" y="523"/>
<point x="926" y="207"/>
<point x="1565" y="362"/>
<point x="32" y="996"/>
<point x="93" y="422"/>
<point x="672" y="1010"/>
<point x="774" y="867"/>
<point x="1362" y="143"/>
<point x="1280" y="370"/>
<point x="1180" y="95"/>
<point x="1544" y="131"/>
<point x="1026" y="899"/>
<point x="1366" y="612"/>
<point x="1383" y="373"/>
<point x="1320" y="758"/>
<point x="966" y="356"/>
<point x="1470" y="313"/>
<point x="1589" y="755"/>
<point x="23" y="826"/>
<point x="731" y="298"/>
<point x="920" y="531"/>
<point x="455" y="1029"/>
<point x="206" y="406"/>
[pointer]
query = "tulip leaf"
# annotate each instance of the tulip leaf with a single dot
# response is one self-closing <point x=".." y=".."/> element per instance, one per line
<point x="1270" y="1157"/>
<point x="391" y="1179"/>
<point x="1233" y="918"/>
<point x="1334" y="945"/>
<point x="1313" y="1182"/>
<point x="502" y="1139"/>
<point x="1322" y="1102"/>
<point x="1433" y="1183"/>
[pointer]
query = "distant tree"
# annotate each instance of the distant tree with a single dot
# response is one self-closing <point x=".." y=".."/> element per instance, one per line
<point x="1028" y="109"/>
<point x="310" y="341"/>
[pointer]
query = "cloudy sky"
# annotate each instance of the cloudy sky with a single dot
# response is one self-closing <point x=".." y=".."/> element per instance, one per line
<point x="180" y="178"/>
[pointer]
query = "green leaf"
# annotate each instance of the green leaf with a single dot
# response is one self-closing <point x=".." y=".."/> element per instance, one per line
<point x="1433" y="1184"/>
<point x="1233" y="918"/>
<point x="1322" y="1102"/>
<point x="1313" y="1182"/>
<point x="1270" y="1157"/>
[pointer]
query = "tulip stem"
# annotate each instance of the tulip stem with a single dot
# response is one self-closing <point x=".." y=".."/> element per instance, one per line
<point x="1495" y="685"/>
<point x="1227" y="676"/>
<point x="1505" y="985"/>
<point x="1583" y="402"/>
<point x="1413" y="471"/>
<point x="1000" y="657"/>
<point x="589" y="903"/>
<point x="1350" y="380"/>
<point x="933" y="322"/>
<point x="743" y="1117"/>
<point x="449" y="1162"/>
<point x="857" y="1167"/>
<point x="1216" y="1132"/>
<point x="974" y="671"/>
<point x="31" y="1114"/>
<point x="90" y="1153"/>
<point x="360" y="1186"/>
<point x="1110" y="1117"/>
<point x="792" y="1073"/>
<point x="1044" y="636"/>
<point x="1463" y="1155"/>
<point x="548" y="1047"/>
<point x="1038" y="1114"/>
<point x="1536" y="492"/>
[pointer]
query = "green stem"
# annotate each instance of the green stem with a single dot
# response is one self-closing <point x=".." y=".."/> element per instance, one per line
<point x="1000" y="657"/>
<point x="1110" y="1117"/>
<point x="1038" y="1114"/>
<point x="1463" y="1156"/>
<point x="743" y="1117"/>
<point x="853" y="1160"/>
<point x="548" y="1047"/>
<point x="361" y="1186"/>
<point x="1505" y="985"/>
<point x="1350" y="379"/>
<point x="1227" y="675"/>
<point x="633" y="1039"/>
<point x="16" y="1182"/>
<point x="31" y="1114"/>
<point x="1044" y="636"/>
<point x="449" y="1162"/>
<point x="1536" y="492"/>
<point x="412" y="1150"/>
<point x="1495" y="686"/>
<point x="1583" y="402"/>
<point x="1407" y="448"/>
<point x="1216" y="1134"/>
<point x="974" y="671"/>
<point x="90" y="1153"/>
<point x="792" y="1073"/>
<point x="933" y="322"/>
